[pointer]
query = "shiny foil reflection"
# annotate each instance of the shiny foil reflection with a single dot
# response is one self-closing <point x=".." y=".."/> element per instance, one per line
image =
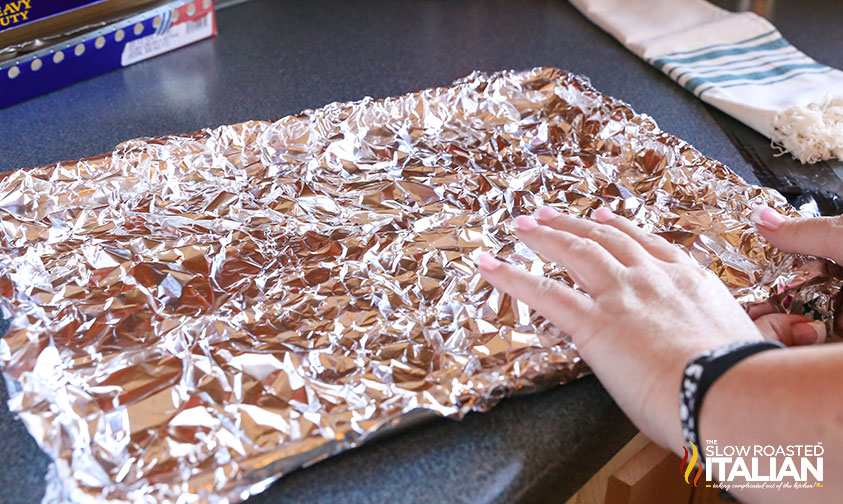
<point x="194" y="316"/>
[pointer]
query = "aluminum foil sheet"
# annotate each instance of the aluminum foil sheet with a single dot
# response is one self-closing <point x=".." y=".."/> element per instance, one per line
<point x="194" y="316"/>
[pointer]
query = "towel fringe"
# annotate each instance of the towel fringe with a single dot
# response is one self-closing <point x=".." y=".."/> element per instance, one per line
<point x="811" y="133"/>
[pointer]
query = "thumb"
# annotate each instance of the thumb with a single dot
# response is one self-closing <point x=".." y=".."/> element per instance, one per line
<point x="792" y="330"/>
<point x="818" y="236"/>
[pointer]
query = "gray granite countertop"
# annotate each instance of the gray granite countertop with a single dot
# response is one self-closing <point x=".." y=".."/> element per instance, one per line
<point x="274" y="58"/>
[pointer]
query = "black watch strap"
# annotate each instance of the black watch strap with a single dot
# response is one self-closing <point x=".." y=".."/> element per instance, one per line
<point x="702" y="371"/>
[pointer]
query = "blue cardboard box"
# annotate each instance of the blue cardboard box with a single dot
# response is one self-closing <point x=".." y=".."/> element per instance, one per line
<point x="135" y="38"/>
<point x="14" y="13"/>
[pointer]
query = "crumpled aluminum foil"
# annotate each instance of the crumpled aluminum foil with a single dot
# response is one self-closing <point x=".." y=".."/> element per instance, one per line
<point x="194" y="316"/>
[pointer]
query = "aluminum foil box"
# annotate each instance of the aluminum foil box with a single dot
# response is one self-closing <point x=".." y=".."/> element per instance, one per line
<point x="14" y="13"/>
<point x="95" y="51"/>
<point x="193" y="316"/>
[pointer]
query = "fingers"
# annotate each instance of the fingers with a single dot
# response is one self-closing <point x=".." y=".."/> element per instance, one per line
<point x="594" y="267"/>
<point x="792" y="330"/>
<point x="819" y="236"/>
<point x="656" y="245"/>
<point x="562" y="306"/>
<point x="758" y="310"/>
<point x="620" y="244"/>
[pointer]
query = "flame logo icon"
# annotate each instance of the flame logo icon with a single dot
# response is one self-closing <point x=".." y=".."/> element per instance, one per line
<point x="687" y="466"/>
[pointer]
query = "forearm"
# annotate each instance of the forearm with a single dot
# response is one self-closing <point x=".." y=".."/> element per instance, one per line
<point x="781" y="397"/>
<point x="649" y="309"/>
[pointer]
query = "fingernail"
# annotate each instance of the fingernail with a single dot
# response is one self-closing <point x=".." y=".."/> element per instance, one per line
<point x="767" y="217"/>
<point x="808" y="333"/>
<point x="602" y="214"/>
<point x="524" y="223"/>
<point x="546" y="213"/>
<point x="487" y="262"/>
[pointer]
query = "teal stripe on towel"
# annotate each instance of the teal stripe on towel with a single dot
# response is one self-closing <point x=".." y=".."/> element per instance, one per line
<point x="728" y="66"/>
<point x="660" y="63"/>
<point x="752" y="57"/>
<point x="692" y="84"/>
<point x="776" y="81"/>
<point x="726" y="44"/>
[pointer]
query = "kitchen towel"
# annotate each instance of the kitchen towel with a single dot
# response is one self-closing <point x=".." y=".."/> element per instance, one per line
<point x="737" y="62"/>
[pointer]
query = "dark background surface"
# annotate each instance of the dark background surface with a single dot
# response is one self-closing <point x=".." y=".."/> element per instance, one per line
<point x="275" y="58"/>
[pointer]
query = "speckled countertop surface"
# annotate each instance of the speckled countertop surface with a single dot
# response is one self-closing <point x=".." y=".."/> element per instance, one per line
<point x="275" y="58"/>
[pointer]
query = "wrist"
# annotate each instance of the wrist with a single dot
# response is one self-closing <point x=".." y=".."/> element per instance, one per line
<point x="703" y="371"/>
<point x="661" y="409"/>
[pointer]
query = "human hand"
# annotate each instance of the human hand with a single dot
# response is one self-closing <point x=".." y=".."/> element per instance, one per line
<point x="817" y="236"/>
<point x="650" y="308"/>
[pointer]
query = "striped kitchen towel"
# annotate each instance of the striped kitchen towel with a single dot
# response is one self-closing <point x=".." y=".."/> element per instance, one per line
<point x="737" y="62"/>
